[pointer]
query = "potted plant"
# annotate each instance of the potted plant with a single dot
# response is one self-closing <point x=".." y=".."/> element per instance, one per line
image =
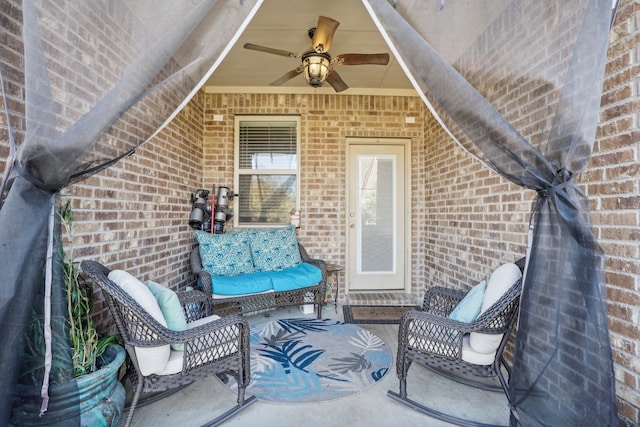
<point x="84" y="375"/>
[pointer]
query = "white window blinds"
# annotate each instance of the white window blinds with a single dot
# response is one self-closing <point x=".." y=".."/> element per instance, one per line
<point x="267" y="172"/>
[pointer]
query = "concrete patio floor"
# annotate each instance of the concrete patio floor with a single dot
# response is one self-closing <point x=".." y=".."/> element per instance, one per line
<point x="202" y="401"/>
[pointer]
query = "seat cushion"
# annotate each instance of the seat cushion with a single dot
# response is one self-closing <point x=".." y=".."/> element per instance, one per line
<point x="297" y="277"/>
<point x="447" y="349"/>
<point x="245" y="284"/>
<point x="274" y="249"/>
<point x="151" y="360"/>
<point x="222" y="297"/>
<point x="471" y="356"/>
<point x="500" y="281"/>
<point x="170" y="307"/>
<point x="227" y="254"/>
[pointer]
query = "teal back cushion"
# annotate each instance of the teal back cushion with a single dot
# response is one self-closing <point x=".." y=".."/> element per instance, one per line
<point x="469" y="307"/>
<point x="227" y="254"/>
<point x="275" y="249"/>
<point x="171" y="309"/>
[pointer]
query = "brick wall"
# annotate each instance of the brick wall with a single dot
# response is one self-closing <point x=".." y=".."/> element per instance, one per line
<point x="11" y="52"/>
<point x="475" y="219"/>
<point x="326" y="122"/>
<point x="134" y="215"/>
<point x="613" y="185"/>
<point x="464" y="203"/>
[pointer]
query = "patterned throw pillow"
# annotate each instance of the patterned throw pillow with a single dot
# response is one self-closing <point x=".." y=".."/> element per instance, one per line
<point x="226" y="254"/>
<point x="275" y="249"/>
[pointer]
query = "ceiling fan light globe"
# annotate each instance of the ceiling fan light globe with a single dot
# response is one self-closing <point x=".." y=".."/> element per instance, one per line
<point x="316" y="68"/>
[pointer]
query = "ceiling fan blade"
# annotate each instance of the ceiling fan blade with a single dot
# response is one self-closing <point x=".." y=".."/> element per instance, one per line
<point x="280" y="52"/>
<point x="321" y="41"/>
<point x="288" y="76"/>
<point x="336" y="81"/>
<point x="362" y="59"/>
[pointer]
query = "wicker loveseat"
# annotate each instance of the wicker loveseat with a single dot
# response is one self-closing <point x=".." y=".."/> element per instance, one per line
<point x="253" y="270"/>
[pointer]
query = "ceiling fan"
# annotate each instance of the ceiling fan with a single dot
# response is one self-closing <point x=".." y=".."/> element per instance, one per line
<point x="317" y="64"/>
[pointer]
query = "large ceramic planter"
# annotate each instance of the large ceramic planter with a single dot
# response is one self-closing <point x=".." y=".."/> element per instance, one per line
<point x="100" y="394"/>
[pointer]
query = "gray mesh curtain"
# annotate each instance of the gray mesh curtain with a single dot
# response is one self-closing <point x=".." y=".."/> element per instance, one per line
<point x="94" y="70"/>
<point x="523" y="95"/>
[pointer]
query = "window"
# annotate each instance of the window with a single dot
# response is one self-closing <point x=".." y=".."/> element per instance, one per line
<point x="266" y="169"/>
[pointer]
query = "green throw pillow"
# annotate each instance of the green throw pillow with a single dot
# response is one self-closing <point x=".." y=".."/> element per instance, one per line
<point x="275" y="249"/>
<point x="227" y="254"/>
<point x="171" y="309"/>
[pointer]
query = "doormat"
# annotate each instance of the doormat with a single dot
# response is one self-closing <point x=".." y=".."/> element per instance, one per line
<point x="372" y="314"/>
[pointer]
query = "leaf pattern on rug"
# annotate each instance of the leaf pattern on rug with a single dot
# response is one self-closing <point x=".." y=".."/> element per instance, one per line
<point x="297" y="382"/>
<point x="289" y="356"/>
<point x="354" y="381"/>
<point x="377" y="375"/>
<point x="367" y="341"/>
<point x="306" y="325"/>
<point x="354" y="363"/>
<point x="306" y="360"/>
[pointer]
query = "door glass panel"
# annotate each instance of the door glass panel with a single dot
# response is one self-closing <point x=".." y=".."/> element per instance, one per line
<point x="376" y="214"/>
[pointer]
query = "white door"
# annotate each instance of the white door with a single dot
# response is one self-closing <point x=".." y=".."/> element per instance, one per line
<point x="376" y="217"/>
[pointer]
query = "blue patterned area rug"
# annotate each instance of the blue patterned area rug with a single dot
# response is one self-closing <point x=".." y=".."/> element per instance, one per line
<point x="310" y="360"/>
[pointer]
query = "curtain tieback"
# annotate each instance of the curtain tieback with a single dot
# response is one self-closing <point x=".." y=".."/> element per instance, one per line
<point x="562" y="179"/>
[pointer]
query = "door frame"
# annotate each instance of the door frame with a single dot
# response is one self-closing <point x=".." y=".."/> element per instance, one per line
<point x="406" y="143"/>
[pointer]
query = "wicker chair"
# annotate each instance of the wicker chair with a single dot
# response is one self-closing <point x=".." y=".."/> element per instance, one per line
<point x="216" y="347"/>
<point x="432" y="339"/>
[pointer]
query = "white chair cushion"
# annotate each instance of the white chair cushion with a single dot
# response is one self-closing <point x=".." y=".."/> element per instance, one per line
<point x="150" y="359"/>
<point x="500" y="281"/>
<point x="471" y="356"/>
<point x="174" y="365"/>
<point x="468" y="354"/>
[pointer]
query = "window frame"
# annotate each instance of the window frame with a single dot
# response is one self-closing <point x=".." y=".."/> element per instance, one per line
<point x="240" y="171"/>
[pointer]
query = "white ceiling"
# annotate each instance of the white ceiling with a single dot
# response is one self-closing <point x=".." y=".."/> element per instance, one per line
<point x="449" y="25"/>
<point x="284" y="24"/>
